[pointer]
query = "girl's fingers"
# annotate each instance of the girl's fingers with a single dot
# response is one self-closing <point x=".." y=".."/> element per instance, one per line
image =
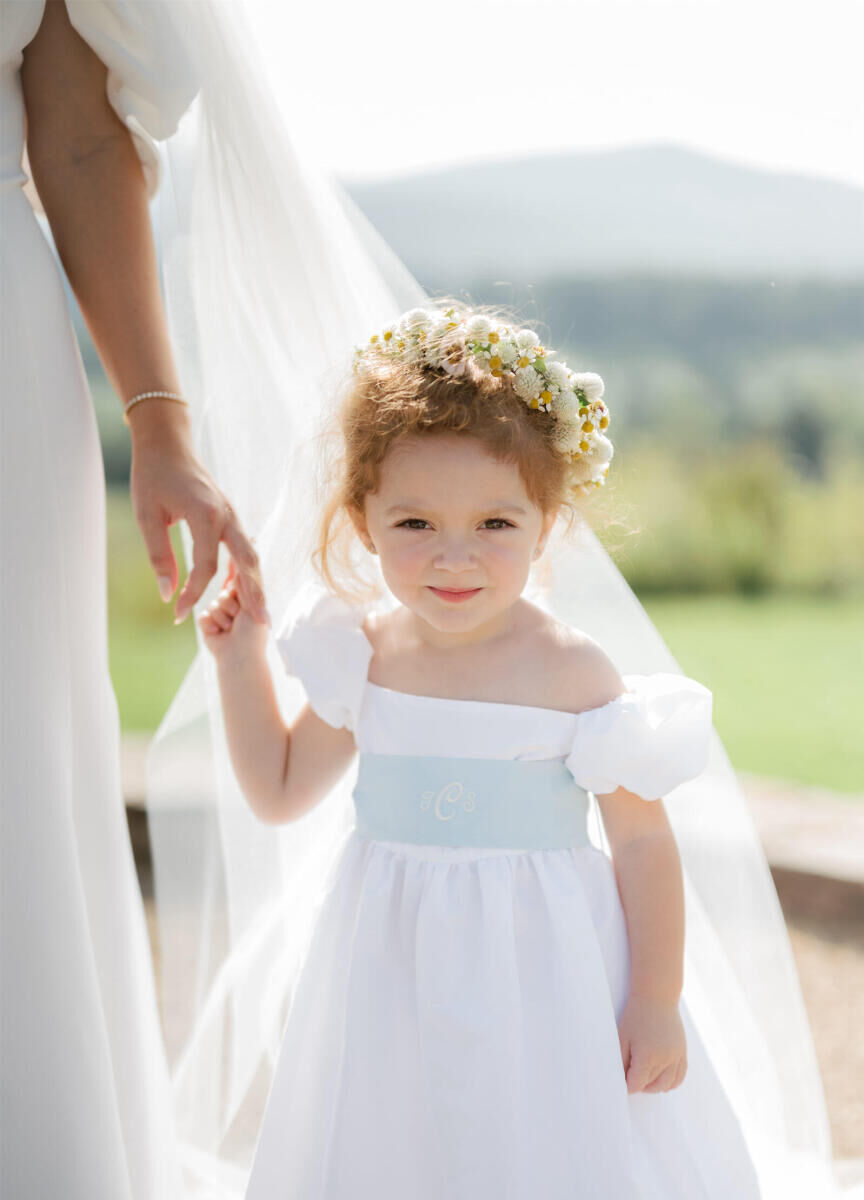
<point x="207" y="625"/>
<point x="663" y="1081"/>
<point x="222" y="618"/>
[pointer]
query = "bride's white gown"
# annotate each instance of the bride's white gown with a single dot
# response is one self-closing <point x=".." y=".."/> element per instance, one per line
<point x="85" y="1111"/>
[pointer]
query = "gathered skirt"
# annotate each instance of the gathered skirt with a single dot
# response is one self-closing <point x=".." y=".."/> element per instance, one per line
<point x="453" y="1033"/>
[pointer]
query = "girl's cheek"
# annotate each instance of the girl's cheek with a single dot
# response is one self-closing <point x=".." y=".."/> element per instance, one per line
<point x="403" y="557"/>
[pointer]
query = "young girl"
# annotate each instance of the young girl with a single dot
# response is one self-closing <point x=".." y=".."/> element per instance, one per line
<point x="490" y="1005"/>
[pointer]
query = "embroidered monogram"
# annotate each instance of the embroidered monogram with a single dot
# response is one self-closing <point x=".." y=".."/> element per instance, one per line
<point x="450" y="794"/>
<point x="428" y="799"/>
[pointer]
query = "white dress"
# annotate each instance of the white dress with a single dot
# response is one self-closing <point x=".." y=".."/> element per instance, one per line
<point x="453" y="1031"/>
<point x="85" y="1109"/>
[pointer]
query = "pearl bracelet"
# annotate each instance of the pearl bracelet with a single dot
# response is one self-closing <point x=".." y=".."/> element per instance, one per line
<point x="146" y="396"/>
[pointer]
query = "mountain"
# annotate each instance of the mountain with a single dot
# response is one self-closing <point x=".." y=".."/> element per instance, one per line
<point x="657" y="208"/>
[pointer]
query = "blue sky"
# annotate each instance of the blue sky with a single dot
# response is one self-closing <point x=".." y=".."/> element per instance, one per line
<point x="395" y="85"/>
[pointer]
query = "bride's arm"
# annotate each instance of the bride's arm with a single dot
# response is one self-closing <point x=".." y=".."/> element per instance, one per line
<point x="92" y="187"/>
<point x="94" y="194"/>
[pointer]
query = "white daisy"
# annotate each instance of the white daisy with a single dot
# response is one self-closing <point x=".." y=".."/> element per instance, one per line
<point x="527" y="384"/>
<point x="526" y="339"/>
<point x="452" y="353"/>
<point x="566" y="435"/>
<point x="589" y="383"/>
<point x="416" y="318"/>
<point x="559" y="374"/>
<point x="478" y="329"/>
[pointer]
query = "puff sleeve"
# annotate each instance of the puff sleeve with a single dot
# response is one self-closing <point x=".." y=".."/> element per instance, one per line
<point x="650" y="739"/>
<point x="151" y="79"/>
<point x="326" y="649"/>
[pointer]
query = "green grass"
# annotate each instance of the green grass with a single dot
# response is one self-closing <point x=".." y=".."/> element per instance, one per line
<point x="147" y="666"/>
<point x="148" y="654"/>
<point x="786" y="673"/>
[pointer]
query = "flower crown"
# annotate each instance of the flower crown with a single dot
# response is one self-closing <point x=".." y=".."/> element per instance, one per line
<point x="449" y="339"/>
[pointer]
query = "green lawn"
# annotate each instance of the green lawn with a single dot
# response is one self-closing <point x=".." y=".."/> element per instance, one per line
<point x="787" y="673"/>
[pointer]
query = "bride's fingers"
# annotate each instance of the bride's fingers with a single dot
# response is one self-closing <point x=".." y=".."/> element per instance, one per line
<point x="231" y="603"/>
<point x="247" y="566"/>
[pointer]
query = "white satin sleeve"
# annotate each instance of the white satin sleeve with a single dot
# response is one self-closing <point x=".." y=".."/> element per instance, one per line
<point x="151" y="78"/>
<point x="326" y="649"/>
<point x="653" y="737"/>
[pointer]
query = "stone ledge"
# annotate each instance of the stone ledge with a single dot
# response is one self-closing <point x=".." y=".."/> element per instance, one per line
<point x="808" y="830"/>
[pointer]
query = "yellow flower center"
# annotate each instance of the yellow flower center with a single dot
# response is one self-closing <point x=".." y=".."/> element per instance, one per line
<point x="495" y="362"/>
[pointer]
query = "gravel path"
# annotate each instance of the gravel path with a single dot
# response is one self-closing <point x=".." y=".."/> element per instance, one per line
<point x="830" y="959"/>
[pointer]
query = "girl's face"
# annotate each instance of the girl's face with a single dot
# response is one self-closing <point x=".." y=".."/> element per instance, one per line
<point x="455" y="531"/>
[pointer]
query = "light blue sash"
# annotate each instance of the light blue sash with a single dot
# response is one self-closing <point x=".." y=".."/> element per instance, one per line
<point x="470" y="802"/>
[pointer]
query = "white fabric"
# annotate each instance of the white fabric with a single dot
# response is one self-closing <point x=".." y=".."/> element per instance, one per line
<point x="454" y="1030"/>
<point x="85" y="1099"/>
<point x="649" y="740"/>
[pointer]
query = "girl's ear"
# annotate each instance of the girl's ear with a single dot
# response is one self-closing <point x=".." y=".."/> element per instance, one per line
<point x="358" y="520"/>
<point x="546" y="529"/>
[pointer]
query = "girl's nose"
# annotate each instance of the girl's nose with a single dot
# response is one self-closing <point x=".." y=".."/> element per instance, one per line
<point x="455" y="555"/>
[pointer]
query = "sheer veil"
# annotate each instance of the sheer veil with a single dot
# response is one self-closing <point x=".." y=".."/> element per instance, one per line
<point x="271" y="276"/>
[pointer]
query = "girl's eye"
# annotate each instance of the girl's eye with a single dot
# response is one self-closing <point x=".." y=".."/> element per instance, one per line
<point x="413" y="522"/>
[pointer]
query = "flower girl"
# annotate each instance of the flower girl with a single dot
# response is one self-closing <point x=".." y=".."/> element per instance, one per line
<point x="490" y="1003"/>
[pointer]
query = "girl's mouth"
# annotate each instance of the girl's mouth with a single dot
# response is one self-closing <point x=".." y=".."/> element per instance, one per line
<point x="455" y="595"/>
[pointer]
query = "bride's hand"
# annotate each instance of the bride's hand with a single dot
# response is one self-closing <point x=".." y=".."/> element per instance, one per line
<point x="227" y="627"/>
<point x="168" y="482"/>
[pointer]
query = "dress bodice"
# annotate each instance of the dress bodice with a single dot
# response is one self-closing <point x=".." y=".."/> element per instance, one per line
<point x="650" y="739"/>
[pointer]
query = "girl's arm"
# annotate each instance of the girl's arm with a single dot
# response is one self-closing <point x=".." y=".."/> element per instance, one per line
<point x="644" y="851"/>
<point x="282" y="772"/>
<point x="651" y="886"/>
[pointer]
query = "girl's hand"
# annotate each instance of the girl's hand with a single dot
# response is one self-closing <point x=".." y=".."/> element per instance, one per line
<point x="228" y="628"/>
<point x="653" y="1045"/>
